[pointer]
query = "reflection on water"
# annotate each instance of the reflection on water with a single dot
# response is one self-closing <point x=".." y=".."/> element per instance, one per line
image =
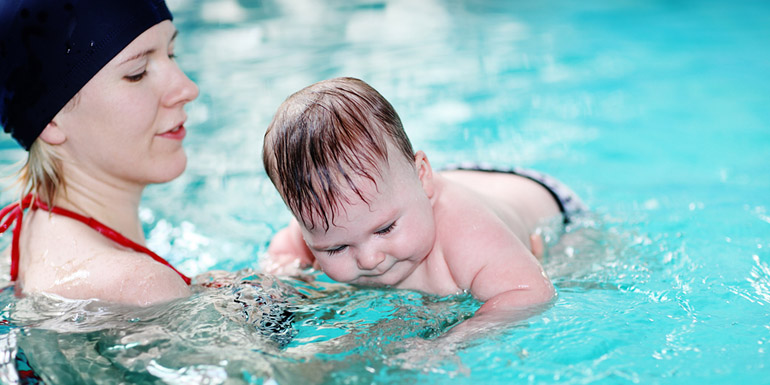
<point x="244" y="319"/>
<point x="234" y="325"/>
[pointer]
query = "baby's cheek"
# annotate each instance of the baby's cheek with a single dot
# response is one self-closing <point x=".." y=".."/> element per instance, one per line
<point x="329" y="268"/>
<point x="334" y="269"/>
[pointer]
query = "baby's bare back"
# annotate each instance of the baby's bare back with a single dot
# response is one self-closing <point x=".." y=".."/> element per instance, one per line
<point x="520" y="202"/>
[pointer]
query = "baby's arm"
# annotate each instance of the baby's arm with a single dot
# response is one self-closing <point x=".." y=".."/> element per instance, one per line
<point x="505" y="275"/>
<point x="514" y="280"/>
<point x="288" y="251"/>
<point x="536" y="291"/>
<point x="511" y="283"/>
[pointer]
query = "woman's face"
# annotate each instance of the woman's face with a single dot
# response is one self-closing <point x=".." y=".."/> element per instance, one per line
<point x="126" y="124"/>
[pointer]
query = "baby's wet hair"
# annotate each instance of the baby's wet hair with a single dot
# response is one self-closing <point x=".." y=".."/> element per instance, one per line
<point x="323" y="139"/>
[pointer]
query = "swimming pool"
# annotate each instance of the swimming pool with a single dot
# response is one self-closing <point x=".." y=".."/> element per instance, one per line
<point x="654" y="112"/>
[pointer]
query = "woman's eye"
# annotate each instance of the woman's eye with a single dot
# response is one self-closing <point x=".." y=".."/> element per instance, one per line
<point x="335" y="250"/>
<point x="386" y="230"/>
<point x="135" y="78"/>
<point x="171" y="56"/>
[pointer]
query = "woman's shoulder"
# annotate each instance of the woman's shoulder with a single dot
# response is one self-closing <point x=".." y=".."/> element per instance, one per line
<point x="74" y="261"/>
<point x="130" y="277"/>
<point x="111" y="275"/>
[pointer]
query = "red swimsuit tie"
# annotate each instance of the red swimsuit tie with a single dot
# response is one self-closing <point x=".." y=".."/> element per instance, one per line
<point x="15" y="212"/>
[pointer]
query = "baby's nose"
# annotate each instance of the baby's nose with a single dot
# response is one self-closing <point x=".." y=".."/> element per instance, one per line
<point x="368" y="261"/>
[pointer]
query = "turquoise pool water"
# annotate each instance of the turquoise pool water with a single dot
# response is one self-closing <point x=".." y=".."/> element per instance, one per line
<point x="655" y="112"/>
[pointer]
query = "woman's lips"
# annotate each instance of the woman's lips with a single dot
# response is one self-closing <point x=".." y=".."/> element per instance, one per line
<point x="175" y="134"/>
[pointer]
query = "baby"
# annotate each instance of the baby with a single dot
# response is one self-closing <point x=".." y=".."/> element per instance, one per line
<point x="369" y="210"/>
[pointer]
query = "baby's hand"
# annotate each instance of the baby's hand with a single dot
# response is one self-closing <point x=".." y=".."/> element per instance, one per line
<point x="283" y="264"/>
<point x="287" y="253"/>
<point x="536" y="242"/>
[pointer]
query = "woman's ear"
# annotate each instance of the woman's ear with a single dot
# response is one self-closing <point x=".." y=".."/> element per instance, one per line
<point x="52" y="134"/>
<point x="425" y="173"/>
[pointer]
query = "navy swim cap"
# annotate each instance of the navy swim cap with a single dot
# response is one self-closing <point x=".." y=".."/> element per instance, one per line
<point x="49" y="49"/>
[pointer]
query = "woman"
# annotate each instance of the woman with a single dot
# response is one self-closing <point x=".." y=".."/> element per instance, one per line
<point x="91" y="90"/>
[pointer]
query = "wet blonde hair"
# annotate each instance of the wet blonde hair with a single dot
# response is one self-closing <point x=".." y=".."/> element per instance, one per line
<point x="42" y="173"/>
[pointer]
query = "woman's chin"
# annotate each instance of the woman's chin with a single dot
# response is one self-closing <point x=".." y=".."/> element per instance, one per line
<point x="171" y="170"/>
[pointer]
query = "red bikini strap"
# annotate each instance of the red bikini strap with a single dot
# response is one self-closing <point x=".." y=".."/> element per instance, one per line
<point x="15" y="214"/>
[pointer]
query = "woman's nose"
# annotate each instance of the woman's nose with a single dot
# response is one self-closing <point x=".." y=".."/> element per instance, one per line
<point x="370" y="260"/>
<point x="181" y="88"/>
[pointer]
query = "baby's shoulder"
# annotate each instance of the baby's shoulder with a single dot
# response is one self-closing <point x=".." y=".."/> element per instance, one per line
<point x="463" y="214"/>
<point x="468" y="230"/>
<point x="469" y="224"/>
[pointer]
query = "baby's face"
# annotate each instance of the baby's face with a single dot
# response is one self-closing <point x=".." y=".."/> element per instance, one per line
<point x="380" y="243"/>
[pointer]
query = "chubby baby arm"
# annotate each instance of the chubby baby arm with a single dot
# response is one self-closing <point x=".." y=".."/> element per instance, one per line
<point x="503" y="274"/>
<point x="520" y="298"/>
<point x="512" y="286"/>
<point x="288" y="252"/>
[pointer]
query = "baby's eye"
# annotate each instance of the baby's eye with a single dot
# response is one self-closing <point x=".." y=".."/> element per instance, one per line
<point x="171" y="56"/>
<point x="386" y="230"/>
<point x="135" y="78"/>
<point x="336" y="250"/>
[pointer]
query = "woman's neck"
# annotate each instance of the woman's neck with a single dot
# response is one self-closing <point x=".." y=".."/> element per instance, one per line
<point x="116" y="206"/>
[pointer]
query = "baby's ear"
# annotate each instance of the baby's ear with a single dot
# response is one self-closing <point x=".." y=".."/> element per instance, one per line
<point x="52" y="134"/>
<point x="424" y="172"/>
